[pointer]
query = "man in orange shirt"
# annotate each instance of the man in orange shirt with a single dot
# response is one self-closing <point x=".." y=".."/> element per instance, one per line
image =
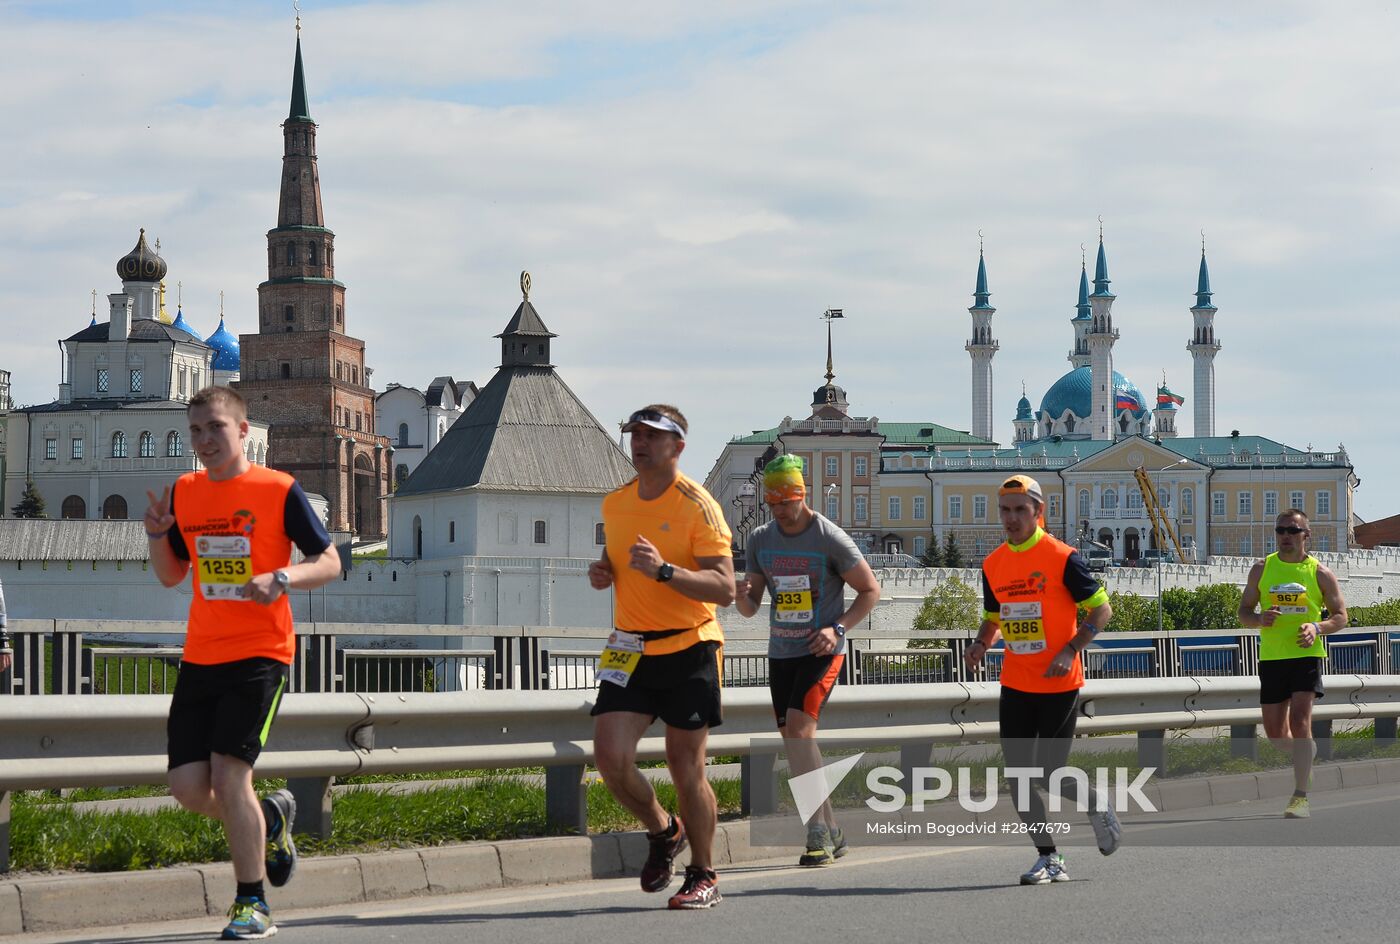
<point x="669" y="563"/>
<point x="1033" y="587"/>
<point x="233" y="523"/>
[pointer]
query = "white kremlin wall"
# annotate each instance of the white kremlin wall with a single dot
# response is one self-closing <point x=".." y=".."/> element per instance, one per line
<point x="506" y="591"/>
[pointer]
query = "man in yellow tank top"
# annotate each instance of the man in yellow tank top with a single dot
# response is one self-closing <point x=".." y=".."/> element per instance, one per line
<point x="669" y="563"/>
<point x="1283" y="598"/>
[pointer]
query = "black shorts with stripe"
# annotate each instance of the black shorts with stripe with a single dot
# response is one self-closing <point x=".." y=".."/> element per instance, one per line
<point x="226" y="708"/>
<point x="802" y="684"/>
<point x="680" y="688"/>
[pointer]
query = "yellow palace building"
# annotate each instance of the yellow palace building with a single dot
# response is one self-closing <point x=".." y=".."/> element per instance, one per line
<point x="897" y="487"/>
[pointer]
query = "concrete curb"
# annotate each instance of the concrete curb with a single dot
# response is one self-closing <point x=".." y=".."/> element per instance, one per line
<point x="47" y="903"/>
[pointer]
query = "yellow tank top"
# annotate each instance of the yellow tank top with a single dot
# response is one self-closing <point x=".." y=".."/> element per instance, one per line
<point x="1293" y="589"/>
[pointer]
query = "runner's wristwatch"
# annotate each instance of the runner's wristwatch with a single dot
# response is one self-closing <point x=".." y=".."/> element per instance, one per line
<point x="664" y="573"/>
<point x="839" y="630"/>
<point x="282" y="579"/>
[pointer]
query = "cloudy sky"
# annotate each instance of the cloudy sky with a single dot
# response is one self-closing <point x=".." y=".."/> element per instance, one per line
<point x="692" y="184"/>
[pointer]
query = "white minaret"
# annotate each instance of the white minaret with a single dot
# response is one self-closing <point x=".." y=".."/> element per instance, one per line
<point x="983" y="347"/>
<point x="1203" y="348"/>
<point x="1079" y="356"/>
<point x="1100" y="338"/>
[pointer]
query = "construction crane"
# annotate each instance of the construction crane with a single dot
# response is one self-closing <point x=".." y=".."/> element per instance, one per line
<point x="1160" y="522"/>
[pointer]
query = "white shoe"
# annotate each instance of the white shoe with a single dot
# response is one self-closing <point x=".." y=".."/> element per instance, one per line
<point x="1047" y="869"/>
<point x="1107" y="830"/>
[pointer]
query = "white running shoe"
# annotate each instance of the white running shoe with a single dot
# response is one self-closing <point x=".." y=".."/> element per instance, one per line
<point x="1047" y="869"/>
<point x="1107" y="830"/>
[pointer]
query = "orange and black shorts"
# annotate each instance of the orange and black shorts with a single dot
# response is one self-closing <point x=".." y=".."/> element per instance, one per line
<point x="803" y="683"/>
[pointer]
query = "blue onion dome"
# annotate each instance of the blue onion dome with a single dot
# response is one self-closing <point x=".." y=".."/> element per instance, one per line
<point x="225" y="345"/>
<point x="1075" y="391"/>
<point x="1023" y="409"/>
<point x="182" y="324"/>
<point x="141" y="264"/>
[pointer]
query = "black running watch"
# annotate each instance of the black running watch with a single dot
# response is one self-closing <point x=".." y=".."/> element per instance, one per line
<point x="664" y="573"/>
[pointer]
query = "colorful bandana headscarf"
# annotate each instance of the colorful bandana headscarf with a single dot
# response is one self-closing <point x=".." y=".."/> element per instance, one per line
<point x="782" y="480"/>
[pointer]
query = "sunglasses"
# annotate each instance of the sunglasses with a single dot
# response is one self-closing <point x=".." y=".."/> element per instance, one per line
<point x="1291" y="529"/>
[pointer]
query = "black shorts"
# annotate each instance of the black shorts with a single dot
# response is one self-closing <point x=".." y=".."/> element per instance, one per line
<point x="223" y="709"/>
<point x="680" y="688"/>
<point x="803" y="684"/>
<point x="1280" y="678"/>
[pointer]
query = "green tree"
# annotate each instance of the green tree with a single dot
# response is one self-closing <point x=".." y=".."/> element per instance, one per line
<point x="952" y="554"/>
<point x="1176" y="608"/>
<point x="1386" y="613"/>
<point x="933" y="556"/>
<point x="31" y="503"/>
<point x="950" y="605"/>
<point x="1215" y="606"/>
<point x="1131" y="613"/>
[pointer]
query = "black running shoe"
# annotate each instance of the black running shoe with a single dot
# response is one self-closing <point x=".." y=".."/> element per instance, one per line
<point x="665" y="846"/>
<point x="280" y="811"/>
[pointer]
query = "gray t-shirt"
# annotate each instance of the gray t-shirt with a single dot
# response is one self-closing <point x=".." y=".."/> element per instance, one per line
<point x="803" y="572"/>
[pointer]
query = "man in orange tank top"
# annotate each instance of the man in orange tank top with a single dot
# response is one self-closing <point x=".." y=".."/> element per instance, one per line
<point x="669" y="563"/>
<point x="1033" y="587"/>
<point x="233" y="524"/>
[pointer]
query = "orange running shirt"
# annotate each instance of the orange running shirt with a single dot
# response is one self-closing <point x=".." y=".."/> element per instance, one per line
<point x="1034" y="591"/>
<point x="684" y="523"/>
<point x="230" y="531"/>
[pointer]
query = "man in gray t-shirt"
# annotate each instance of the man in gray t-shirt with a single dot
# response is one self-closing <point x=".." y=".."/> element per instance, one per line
<point x="806" y="562"/>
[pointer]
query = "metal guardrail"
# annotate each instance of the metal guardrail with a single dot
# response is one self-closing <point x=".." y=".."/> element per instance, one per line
<point x="67" y="741"/>
<point x="71" y="657"/>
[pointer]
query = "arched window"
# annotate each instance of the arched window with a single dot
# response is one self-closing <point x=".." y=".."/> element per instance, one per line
<point x="403" y="434"/>
<point x="146" y="445"/>
<point x="311" y="253"/>
<point x="541" y="533"/>
<point x="262" y="454"/>
<point x="451" y="532"/>
<point x="118" y="445"/>
<point x="291" y="254"/>
<point x="1188" y="502"/>
<point x="174" y="447"/>
<point x="252" y="450"/>
<point x="114" y="508"/>
<point x="1069" y="423"/>
<point x="599" y="538"/>
<point x="74" y="507"/>
<point x="417" y="537"/>
<point x="442" y="428"/>
<point x="1084" y="503"/>
<point x="1110" y="499"/>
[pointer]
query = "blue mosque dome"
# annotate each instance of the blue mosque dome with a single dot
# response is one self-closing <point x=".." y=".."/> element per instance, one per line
<point x="1074" y="392"/>
<point x="225" y="345"/>
<point x="182" y="324"/>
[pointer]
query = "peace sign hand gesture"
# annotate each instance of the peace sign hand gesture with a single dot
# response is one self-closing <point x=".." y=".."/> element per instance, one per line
<point x="158" y="520"/>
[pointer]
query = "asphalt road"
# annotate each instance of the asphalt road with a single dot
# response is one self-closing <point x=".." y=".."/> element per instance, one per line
<point x="1204" y="875"/>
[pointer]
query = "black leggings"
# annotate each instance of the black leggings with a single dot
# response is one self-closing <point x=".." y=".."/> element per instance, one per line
<point x="1037" y="730"/>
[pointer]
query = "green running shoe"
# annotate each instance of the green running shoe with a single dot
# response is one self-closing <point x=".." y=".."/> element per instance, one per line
<point x="249" y="920"/>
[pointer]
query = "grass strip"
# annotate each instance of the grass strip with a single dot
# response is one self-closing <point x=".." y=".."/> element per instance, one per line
<point x="49" y="837"/>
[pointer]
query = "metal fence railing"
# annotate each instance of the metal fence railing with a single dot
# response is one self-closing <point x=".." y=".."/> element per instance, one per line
<point x="129" y="658"/>
<point x="1218" y="659"/>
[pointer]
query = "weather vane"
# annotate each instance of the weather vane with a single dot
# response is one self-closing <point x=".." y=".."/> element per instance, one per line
<point x="525" y="284"/>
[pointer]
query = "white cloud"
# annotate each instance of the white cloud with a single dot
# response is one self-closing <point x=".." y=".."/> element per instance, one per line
<point x="698" y="184"/>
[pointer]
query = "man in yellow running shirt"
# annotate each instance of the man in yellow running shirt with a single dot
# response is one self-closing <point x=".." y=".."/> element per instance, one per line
<point x="1283" y="598"/>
